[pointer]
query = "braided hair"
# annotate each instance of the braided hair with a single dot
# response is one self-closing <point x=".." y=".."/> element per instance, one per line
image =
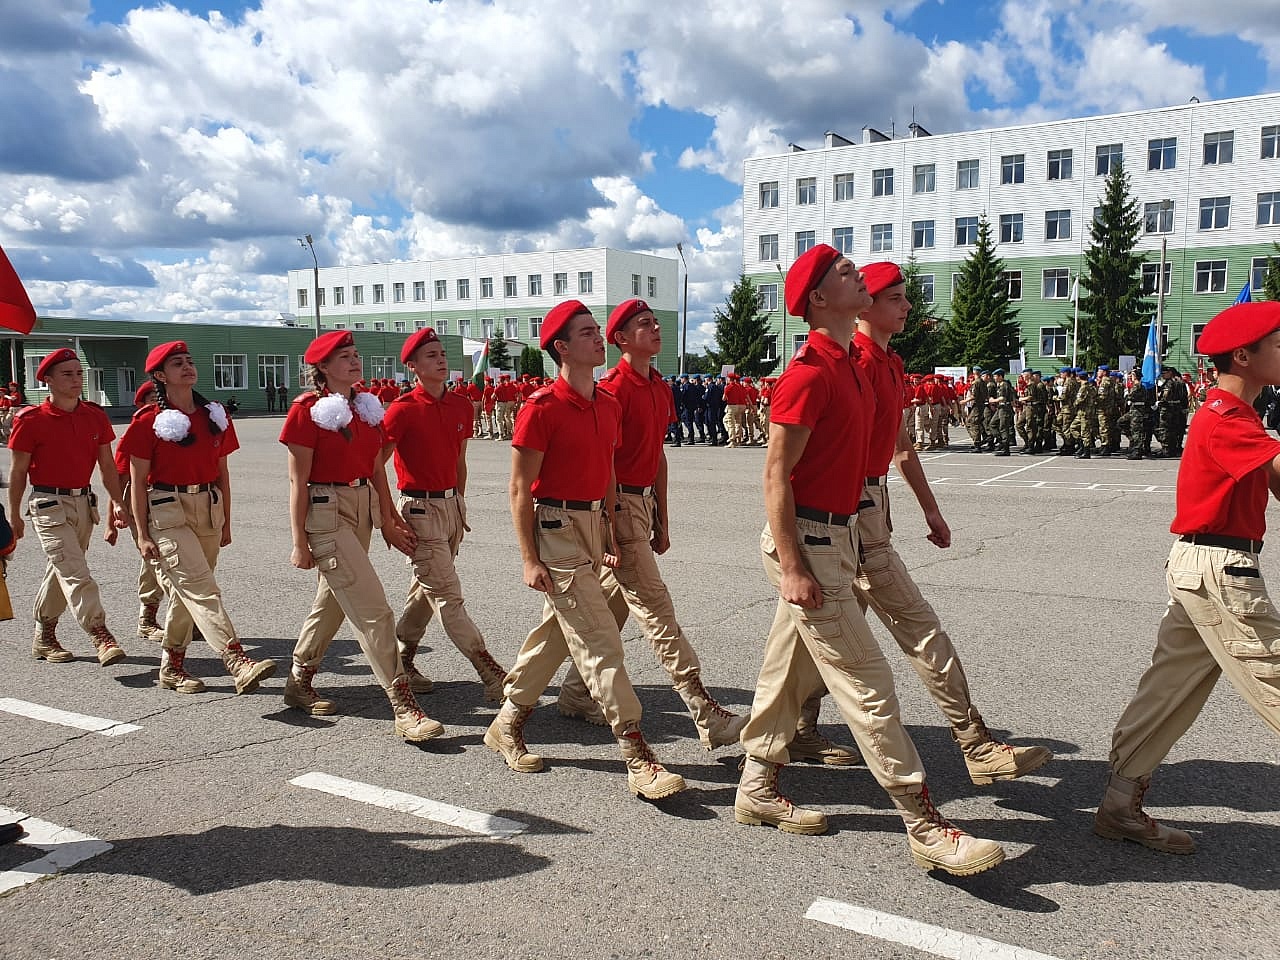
<point x="162" y="401"/>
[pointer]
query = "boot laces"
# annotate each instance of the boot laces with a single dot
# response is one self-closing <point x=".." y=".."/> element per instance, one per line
<point x="149" y="612"/>
<point x="984" y="734"/>
<point x="102" y="637"/>
<point x="935" y="817"/>
<point x="304" y="681"/>
<point x="237" y="658"/>
<point x="712" y="703"/>
<point x="177" y="664"/>
<point x="517" y="726"/>
<point x="49" y="633"/>
<point x="644" y="752"/>
<point x="778" y="795"/>
<point x="1136" y="805"/>
<point x="490" y="664"/>
<point x="405" y="699"/>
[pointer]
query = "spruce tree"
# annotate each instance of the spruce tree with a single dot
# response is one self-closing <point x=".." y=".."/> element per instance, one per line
<point x="1271" y="279"/>
<point x="531" y="362"/>
<point x="920" y="342"/>
<point x="983" y="330"/>
<point x="741" y="329"/>
<point x="1114" y="313"/>
<point x="499" y="356"/>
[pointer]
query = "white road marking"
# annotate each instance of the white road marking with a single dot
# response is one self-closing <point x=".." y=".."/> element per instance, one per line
<point x="925" y="937"/>
<point x="483" y="823"/>
<point x="65" y="718"/>
<point x="65" y="849"/>
<point x="1011" y="473"/>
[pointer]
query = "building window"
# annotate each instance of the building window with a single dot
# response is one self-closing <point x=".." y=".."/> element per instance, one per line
<point x="378" y="295"/>
<point x="1109" y="155"/>
<point x="922" y="234"/>
<point x="806" y="191"/>
<point x="1211" y="276"/>
<point x="464" y="289"/>
<point x="955" y="285"/>
<point x="1013" y="283"/>
<point x="509" y="288"/>
<point x="842" y="239"/>
<point x="535" y="328"/>
<point x="805" y="240"/>
<point x="1013" y="168"/>
<point x="442" y="289"/>
<point x="357" y="295"/>
<point x="967" y="175"/>
<point x="881" y="237"/>
<point x="464" y="328"/>
<point x="1269" y="209"/>
<point x="1270" y="142"/>
<point x="1057" y="225"/>
<point x="341" y="325"/>
<point x="923" y="178"/>
<point x="769" y="194"/>
<point x="1196" y="330"/>
<point x="441" y="326"/>
<point x="653" y="287"/>
<point x="1011" y="227"/>
<point x="231" y="371"/>
<point x="561" y="281"/>
<point x="486" y="328"/>
<point x="1215" y="213"/>
<point x="1258" y="272"/>
<point x="383" y="368"/>
<point x="486" y="287"/>
<point x="320" y="296"/>
<point x="585" y="282"/>
<point x="535" y="284"/>
<point x="1059" y="164"/>
<point x="397" y="292"/>
<point x="768" y="247"/>
<point x="1053" y="341"/>
<point x="966" y="231"/>
<point x="635" y="284"/>
<point x="1158" y="217"/>
<point x="339" y="296"/>
<point x="797" y="341"/>
<point x="842" y="186"/>
<point x="420" y="290"/>
<point x="1219" y="148"/>
<point x="358" y="325"/>
<point x="419" y="325"/>
<point x="768" y="296"/>
<point x="926" y="287"/>
<point x="1056" y="281"/>
<point x="273" y="371"/>
<point x="882" y="182"/>
<point x="400" y="326"/>
<point x="302" y="302"/>
<point x="1162" y="153"/>
<point x="1150" y="271"/>
<point x="770" y="347"/>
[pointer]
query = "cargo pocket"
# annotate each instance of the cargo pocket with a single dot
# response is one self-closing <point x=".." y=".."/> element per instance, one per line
<point x="557" y="539"/>
<point x="1262" y="659"/>
<point x="834" y="639"/>
<point x="629" y="523"/>
<point x="46" y="512"/>
<point x="217" y="510"/>
<point x="823" y="561"/>
<point x="324" y="550"/>
<point x="169" y="557"/>
<point x="164" y="512"/>
<point x="565" y="599"/>
<point x="322" y="513"/>
<point x="1243" y="591"/>
<point x="886" y="581"/>
<point x="1187" y="588"/>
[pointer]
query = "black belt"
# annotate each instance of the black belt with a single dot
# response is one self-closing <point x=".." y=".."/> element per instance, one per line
<point x="638" y="491"/>
<point x="822" y="516"/>
<point x="184" y="487"/>
<point x="358" y="482"/>
<point x="569" y="504"/>
<point x="64" y="491"/>
<point x="1242" y="544"/>
<point x="430" y="494"/>
<point x="874" y="481"/>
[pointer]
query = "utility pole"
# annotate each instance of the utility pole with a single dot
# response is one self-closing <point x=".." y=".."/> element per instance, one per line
<point x="307" y="244"/>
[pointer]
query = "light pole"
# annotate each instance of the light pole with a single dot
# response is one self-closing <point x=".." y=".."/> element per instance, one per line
<point x="306" y="244"/>
<point x="782" y="354"/>
<point x="684" y="325"/>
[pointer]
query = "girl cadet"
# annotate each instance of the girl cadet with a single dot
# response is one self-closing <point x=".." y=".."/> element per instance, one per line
<point x="181" y="497"/>
<point x="337" y="494"/>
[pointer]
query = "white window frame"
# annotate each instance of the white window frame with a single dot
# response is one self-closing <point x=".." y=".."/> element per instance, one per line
<point x="1270" y="142"/>
<point x="231" y="371"/>
<point x="357" y="295"/>
<point x="302" y="302"/>
<point x="420" y="291"/>
<point x="805" y="240"/>
<point x="1060" y="277"/>
<point x="882" y="182"/>
<point x="768" y="194"/>
<point x="653" y="287"/>
<point x="1058" y="337"/>
<point x="510" y="286"/>
<point x="339" y="296"/>
<point x="535" y="328"/>
<point x="1013" y="169"/>
<point x="881" y="237"/>
<point x="486" y="288"/>
<point x="1272" y="204"/>
<point x="561" y="281"/>
<point x="379" y="293"/>
<point x="967" y="226"/>
<point x="767" y="296"/>
<point x="1148" y="275"/>
<point x="927" y="286"/>
<point x="275" y="363"/>
<point x="767" y="247"/>
<point x="922" y="234"/>
<point x="464" y="288"/>
<point x="968" y="174"/>
<point x="397" y="292"/>
<point x="535" y="284"/>
<point x="1053" y="224"/>
<point x="842" y="187"/>
<point x="1112" y="152"/>
<point x="806" y="191"/>
<point x="1013" y="283"/>
<point x="1157" y="153"/>
<point x="1217" y="210"/>
<point x="586" y="282"/>
<point x="511" y="328"/>
<point x="924" y="178"/>
<point x="1157" y="217"/>
<point x="1211" y="276"/>
<point x="1219" y="147"/>
<point x="1060" y="164"/>
<point x="1013" y="228"/>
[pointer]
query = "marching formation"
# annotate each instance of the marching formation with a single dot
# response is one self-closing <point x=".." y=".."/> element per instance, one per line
<point x="589" y="498"/>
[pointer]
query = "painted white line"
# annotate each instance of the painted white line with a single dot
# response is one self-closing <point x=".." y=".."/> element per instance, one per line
<point x="64" y="718"/>
<point x="1011" y="473"/>
<point x="483" y="823"/>
<point x="65" y="848"/>
<point x="938" y="941"/>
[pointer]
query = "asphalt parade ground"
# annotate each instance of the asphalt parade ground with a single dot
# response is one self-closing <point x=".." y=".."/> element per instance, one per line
<point x="211" y="825"/>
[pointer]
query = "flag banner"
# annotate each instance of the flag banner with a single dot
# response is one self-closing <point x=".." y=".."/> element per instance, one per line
<point x="1150" y="359"/>
<point x="16" y="312"/>
<point x="1246" y="294"/>
<point x="479" y="365"/>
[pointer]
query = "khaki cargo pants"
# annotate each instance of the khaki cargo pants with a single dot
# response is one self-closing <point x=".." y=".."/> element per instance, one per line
<point x="187" y="529"/>
<point x="65" y="527"/>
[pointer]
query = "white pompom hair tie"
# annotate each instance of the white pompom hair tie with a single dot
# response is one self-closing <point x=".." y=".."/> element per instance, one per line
<point x="173" y="425"/>
<point x="331" y="412"/>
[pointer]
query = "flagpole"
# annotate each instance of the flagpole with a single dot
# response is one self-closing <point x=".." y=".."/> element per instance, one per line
<point x="1075" y="333"/>
<point x="1164" y="247"/>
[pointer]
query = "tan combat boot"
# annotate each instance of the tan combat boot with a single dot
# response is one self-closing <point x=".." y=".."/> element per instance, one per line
<point x="148" y="626"/>
<point x="646" y="777"/>
<point x="809" y="744"/>
<point x="173" y="673"/>
<point x="411" y="723"/>
<point x="492" y="675"/>
<point x="418" y="682"/>
<point x="937" y="844"/>
<point x="759" y="802"/>
<point x="246" y="672"/>
<point x="298" y="692"/>
<point x="1121" y="817"/>
<point x="506" y="736"/>
<point x="109" y="651"/>
<point x="45" y="645"/>
<point x="575" y="700"/>
<point x="989" y="760"/>
<point x="717" y="727"/>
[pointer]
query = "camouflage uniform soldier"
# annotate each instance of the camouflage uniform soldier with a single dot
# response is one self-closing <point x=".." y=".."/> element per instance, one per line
<point x="1140" y="398"/>
<point x="976" y="422"/>
<point x="1108" y="411"/>
<point x="1171" y="412"/>
<point x="1067" y="410"/>
<point x="1000" y="406"/>
<point x="1085" y="426"/>
<point x="1036" y="403"/>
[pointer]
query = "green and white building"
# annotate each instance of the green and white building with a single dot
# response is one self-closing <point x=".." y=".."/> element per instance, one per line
<point x="1206" y="177"/>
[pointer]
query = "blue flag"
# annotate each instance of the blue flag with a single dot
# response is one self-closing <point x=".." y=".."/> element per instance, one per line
<point x="1246" y="296"/>
<point x="1150" y="357"/>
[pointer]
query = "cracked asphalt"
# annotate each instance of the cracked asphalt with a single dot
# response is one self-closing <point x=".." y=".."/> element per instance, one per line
<point x="1052" y="591"/>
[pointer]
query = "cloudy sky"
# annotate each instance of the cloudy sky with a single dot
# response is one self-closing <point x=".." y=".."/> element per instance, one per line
<point x="158" y="161"/>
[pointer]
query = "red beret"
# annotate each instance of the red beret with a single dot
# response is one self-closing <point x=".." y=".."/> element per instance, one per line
<point x="1239" y="326"/>
<point x="556" y="319"/>
<point x="158" y="355"/>
<point x="425" y="335"/>
<point x="805" y="275"/>
<point x="621" y="314"/>
<point x="144" y="392"/>
<point x="881" y="276"/>
<point x="61" y="355"/>
<point x="326" y="344"/>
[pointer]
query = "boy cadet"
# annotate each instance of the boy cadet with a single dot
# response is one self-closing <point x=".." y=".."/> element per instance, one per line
<point x="428" y="429"/>
<point x="641" y="527"/>
<point x="561" y="478"/>
<point x="1219" y="618"/>
<point x="56" y="446"/>
<point x="821" y="422"/>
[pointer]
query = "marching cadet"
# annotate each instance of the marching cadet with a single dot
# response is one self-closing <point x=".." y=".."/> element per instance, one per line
<point x="1001" y="400"/>
<point x="55" y="446"/>
<point x="1171" y="412"/>
<point x="150" y="592"/>
<point x="977" y="418"/>
<point x="1037" y="404"/>
<point x="1085" y="426"/>
<point x="1070" y="392"/>
<point x="1108" y="414"/>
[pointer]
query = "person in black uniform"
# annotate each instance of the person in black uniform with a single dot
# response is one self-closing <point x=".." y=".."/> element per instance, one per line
<point x="715" y="413"/>
<point x="699" y="404"/>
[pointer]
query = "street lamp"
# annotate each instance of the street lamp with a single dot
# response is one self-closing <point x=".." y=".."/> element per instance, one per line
<point x="684" y="326"/>
<point x="307" y="244"/>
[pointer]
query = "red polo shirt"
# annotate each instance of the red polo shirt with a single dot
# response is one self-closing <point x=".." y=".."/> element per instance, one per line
<point x="577" y="437"/>
<point x="428" y="435"/>
<point x="824" y="389"/>
<point x="63" y="445"/>
<point x="648" y="408"/>
<point x="1222" y="486"/>
<point x="884" y="372"/>
<point x="735" y="394"/>
<point x="334" y="458"/>
<point x="172" y="463"/>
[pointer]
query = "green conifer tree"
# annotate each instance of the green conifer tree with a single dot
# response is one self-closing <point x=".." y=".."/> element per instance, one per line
<point x="741" y="332"/>
<point x="983" y="330"/>
<point x="920" y="342"/>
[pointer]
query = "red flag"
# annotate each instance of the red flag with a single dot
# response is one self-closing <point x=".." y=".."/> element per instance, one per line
<point x="16" y="312"/>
